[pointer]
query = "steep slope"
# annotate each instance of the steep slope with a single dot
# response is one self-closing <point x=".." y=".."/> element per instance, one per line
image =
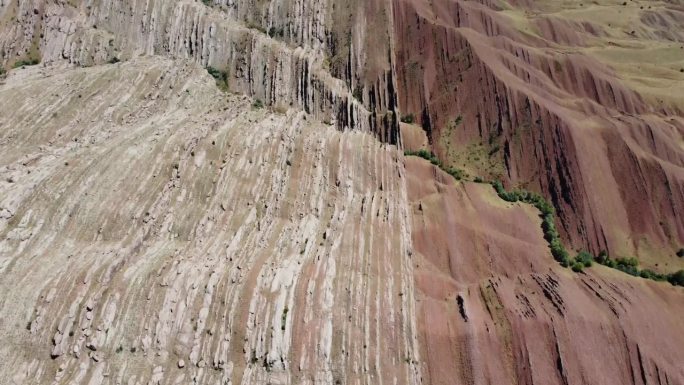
<point x="493" y="307"/>
<point x="155" y="230"/>
<point x="527" y="95"/>
<point x="307" y="54"/>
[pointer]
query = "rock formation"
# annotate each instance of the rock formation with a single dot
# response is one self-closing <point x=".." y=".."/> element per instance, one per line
<point x="264" y="226"/>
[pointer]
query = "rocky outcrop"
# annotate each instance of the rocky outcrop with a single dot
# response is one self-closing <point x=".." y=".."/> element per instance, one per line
<point x="156" y="228"/>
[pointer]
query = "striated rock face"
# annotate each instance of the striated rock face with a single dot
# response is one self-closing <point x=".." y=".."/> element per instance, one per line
<point x="308" y="54"/>
<point x="163" y="232"/>
<point x="158" y="226"/>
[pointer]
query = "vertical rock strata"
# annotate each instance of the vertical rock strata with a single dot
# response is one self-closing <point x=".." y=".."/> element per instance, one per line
<point x="493" y="307"/>
<point x="532" y="110"/>
<point x="308" y="54"/>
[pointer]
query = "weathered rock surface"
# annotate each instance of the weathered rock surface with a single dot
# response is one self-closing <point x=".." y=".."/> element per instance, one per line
<point x="154" y="229"/>
<point x="154" y="219"/>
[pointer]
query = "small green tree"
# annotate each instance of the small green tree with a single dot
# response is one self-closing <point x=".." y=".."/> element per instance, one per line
<point x="584" y="258"/>
<point x="677" y="278"/>
<point x="577" y="267"/>
<point x="408" y="119"/>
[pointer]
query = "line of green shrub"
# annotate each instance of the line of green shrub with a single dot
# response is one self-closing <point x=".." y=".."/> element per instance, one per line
<point x="630" y="265"/>
<point x="458" y="174"/>
<point x="547" y="211"/>
<point x="583" y="259"/>
<point x="25" y="62"/>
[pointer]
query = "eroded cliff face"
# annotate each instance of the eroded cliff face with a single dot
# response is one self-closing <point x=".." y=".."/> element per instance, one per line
<point x="493" y="307"/>
<point x="155" y="229"/>
<point x="325" y="57"/>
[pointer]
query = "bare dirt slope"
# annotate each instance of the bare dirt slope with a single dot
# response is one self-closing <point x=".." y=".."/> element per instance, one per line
<point x="578" y="100"/>
<point x="494" y="308"/>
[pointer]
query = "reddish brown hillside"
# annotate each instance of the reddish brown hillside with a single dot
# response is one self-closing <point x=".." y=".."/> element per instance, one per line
<point x="532" y="96"/>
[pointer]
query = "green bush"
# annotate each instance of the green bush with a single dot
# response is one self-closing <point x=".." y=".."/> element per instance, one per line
<point x="408" y="119"/>
<point x="650" y="274"/>
<point x="258" y="104"/>
<point x="577" y="267"/>
<point x="680" y="253"/>
<point x="26" y="62"/>
<point x="221" y="77"/>
<point x="677" y="278"/>
<point x="628" y="261"/>
<point x="584" y="258"/>
<point x="425" y="154"/>
<point x="602" y="257"/>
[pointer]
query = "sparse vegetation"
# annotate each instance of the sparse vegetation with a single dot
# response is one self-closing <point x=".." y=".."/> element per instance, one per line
<point x="547" y="211"/>
<point x="283" y="321"/>
<point x="221" y="77"/>
<point x="25" y="62"/>
<point x="583" y="259"/>
<point x="409" y="119"/>
<point x="358" y="94"/>
<point x="458" y="174"/>
<point x="257" y="104"/>
<point x="276" y="32"/>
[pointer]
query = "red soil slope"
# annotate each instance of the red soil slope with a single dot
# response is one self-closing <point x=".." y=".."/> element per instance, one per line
<point x="537" y="111"/>
<point x="493" y="307"/>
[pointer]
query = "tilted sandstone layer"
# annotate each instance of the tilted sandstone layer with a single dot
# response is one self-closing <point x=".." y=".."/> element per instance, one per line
<point x="154" y="229"/>
<point x="579" y="102"/>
